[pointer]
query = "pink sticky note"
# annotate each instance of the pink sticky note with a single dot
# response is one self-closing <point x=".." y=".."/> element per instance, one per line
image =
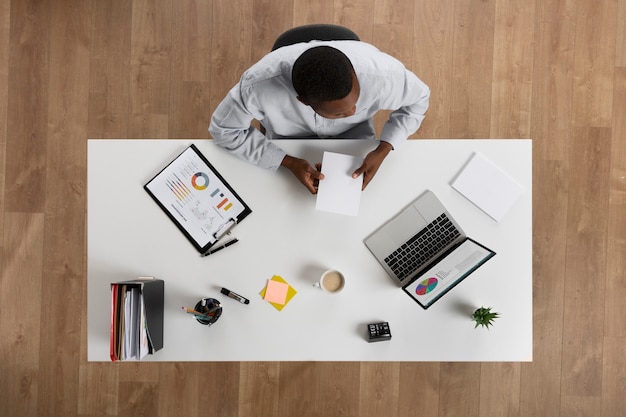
<point x="276" y="292"/>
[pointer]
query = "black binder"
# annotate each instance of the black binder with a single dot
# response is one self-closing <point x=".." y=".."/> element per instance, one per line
<point x="136" y="318"/>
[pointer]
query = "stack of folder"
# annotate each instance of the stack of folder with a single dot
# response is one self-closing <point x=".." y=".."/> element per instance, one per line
<point x="136" y="318"/>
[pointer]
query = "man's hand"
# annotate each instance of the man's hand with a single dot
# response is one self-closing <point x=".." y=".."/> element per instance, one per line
<point x="304" y="172"/>
<point x="372" y="162"/>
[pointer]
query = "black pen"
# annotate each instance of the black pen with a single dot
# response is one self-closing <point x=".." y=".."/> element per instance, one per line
<point x="234" y="295"/>
<point x="219" y="248"/>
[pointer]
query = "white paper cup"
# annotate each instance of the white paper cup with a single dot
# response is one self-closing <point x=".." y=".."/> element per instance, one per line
<point x="331" y="281"/>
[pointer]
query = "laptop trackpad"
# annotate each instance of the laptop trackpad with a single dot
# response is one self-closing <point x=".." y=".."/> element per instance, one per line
<point x="405" y="225"/>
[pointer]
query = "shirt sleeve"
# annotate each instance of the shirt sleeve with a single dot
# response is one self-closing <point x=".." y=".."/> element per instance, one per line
<point x="230" y="128"/>
<point x="410" y="96"/>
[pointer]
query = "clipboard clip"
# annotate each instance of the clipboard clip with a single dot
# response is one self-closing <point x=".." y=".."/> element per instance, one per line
<point x="225" y="229"/>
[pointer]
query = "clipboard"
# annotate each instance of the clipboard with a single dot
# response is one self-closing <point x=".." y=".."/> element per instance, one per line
<point x="197" y="198"/>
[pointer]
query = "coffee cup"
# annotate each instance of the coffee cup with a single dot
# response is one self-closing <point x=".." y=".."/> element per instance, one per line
<point x="331" y="281"/>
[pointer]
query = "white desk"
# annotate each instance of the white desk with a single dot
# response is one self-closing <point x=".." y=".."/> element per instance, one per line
<point x="129" y="236"/>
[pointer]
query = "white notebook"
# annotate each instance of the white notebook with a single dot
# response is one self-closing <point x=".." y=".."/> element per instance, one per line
<point x="487" y="186"/>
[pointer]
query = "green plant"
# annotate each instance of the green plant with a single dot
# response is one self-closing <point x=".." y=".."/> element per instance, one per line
<point x="484" y="317"/>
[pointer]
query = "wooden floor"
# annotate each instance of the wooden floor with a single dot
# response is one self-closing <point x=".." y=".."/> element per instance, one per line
<point x="551" y="70"/>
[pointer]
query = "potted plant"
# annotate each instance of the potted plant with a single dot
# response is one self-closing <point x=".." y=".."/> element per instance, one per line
<point x="484" y="317"/>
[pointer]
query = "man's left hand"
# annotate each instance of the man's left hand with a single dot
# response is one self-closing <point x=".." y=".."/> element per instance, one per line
<point x="372" y="162"/>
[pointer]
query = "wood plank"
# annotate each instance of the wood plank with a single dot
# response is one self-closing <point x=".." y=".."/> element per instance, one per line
<point x="394" y="12"/>
<point x="500" y="389"/>
<point x="594" y="67"/>
<point x="585" y="268"/>
<point x="231" y="52"/>
<point x="299" y="380"/>
<point x="357" y="15"/>
<point x="20" y="288"/>
<point x="614" y="369"/>
<point x="189" y="117"/>
<point x="139" y="372"/>
<point x="555" y="25"/>
<point x="98" y="389"/>
<point x="190" y="69"/>
<point x="259" y="390"/>
<point x="339" y="389"/>
<point x="109" y="87"/>
<point x="306" y="12"/>
<point x="138" y="388"/>
<point x="148" y="126"/>
<point x="614" y="378"/>
<point x="380" y="389"/>
<point x="620" y="38"/>
<point x="150" y="57"/>
<point x="25" y="179"/>
<point x="472" y="69"/>
<point x="419" y="389"/>
<point x="179" y="387"/>
<point x="271" y="18"/>
<point x="616" y="265"/>
<point x="459" y="390"/>
<point x="219" y="393"/>
<point x="580" y="406"/>
<point x="512" y="69"/>
<point x="191" y="40"/>
<point x="138" y="399"/>
<point x="5" y="26"/>
<point x="541" y="379"/>
<point x="64" y="244"/>
<point x="433" y="56"/>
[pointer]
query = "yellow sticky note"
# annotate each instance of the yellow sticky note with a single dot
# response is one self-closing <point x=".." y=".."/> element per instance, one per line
<point x="276" y="292"/>
<point x="291" y="291"/>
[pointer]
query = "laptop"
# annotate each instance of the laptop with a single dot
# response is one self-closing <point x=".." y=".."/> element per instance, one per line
<point x="425" y="251"/>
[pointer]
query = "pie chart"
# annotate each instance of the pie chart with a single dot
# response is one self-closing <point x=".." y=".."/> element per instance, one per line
<point x="426" y="286"/>
<point x="200" y="180"/>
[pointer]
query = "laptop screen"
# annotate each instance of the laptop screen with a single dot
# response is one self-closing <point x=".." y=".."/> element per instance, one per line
<point x="441" y="277"/>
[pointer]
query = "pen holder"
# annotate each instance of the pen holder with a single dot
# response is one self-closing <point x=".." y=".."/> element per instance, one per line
<point x="209" y="304"/>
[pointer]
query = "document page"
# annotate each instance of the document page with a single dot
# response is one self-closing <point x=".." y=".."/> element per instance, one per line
<point x="487" y="186"/>
<point x="338" y="192"/>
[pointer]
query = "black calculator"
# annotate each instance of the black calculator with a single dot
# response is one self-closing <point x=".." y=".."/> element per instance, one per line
<point x="379" y="332"/>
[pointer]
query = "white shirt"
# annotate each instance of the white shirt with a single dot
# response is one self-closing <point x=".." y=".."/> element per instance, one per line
<point x="265" y="92"/>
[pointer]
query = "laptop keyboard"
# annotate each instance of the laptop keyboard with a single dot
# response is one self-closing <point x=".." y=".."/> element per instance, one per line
<point x="422" y="247"/>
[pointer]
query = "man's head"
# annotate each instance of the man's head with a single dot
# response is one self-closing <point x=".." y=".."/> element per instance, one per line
<point x="324" y="79"/>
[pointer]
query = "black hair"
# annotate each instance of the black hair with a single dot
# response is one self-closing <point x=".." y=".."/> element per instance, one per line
<point x="322" y="73"/>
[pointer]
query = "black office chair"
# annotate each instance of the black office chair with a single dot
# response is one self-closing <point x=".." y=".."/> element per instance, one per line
<point x="319" y="32"/>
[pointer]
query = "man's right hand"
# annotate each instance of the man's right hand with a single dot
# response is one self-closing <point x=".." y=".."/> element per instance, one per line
<point x="304" y="172"/>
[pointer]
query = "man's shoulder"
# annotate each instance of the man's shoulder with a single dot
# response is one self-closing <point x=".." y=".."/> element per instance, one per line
<point x="263" y="71"/>
<point x="368" y="59"/>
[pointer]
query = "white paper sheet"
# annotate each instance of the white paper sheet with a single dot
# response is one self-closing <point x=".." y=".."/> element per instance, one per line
<point x="338" y="192"/>
<point x="487" y="186"/>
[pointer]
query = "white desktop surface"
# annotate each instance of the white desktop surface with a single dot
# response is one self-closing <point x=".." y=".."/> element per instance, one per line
<point x="130" y="236"/>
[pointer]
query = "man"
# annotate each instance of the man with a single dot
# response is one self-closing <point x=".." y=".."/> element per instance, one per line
<point x="319" y="90"/>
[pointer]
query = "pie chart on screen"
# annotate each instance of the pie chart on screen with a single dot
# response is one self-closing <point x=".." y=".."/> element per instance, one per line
<point x="426" y="286"/>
